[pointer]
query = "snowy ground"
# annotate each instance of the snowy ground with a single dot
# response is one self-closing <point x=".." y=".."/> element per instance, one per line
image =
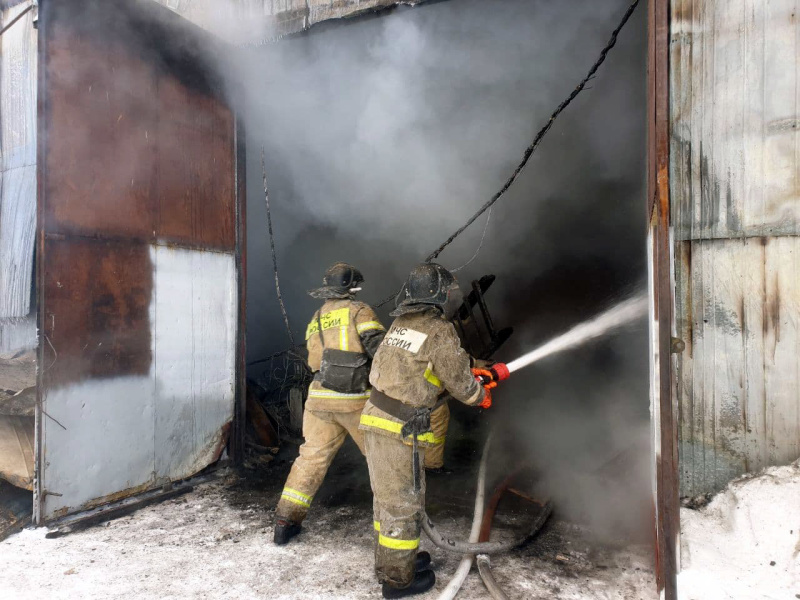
<point x="745" y="545"/>
<point x="216" y="543"/>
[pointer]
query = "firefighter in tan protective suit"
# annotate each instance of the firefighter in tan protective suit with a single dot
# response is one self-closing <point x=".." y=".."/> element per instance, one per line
<point x="341" y="338"/>
<point x="418" y="360"/>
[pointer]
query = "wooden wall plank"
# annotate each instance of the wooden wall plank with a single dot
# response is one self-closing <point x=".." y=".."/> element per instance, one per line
<point x="735" y="181"/>
<point x="781" y="347"/>
<point x="754" y="405"/>
<point x="735" y="118"/>
<point x="739" y="383"/>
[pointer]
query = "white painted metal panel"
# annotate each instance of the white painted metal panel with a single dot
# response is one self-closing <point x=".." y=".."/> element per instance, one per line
<point x="102" y="442"/>
<point x="194" y="357"/>
<point x="123" y="434"/>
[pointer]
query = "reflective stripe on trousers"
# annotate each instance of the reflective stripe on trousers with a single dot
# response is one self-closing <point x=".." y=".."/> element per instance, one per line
<point x="296" y="497"/>
<point x="394" y="543"/>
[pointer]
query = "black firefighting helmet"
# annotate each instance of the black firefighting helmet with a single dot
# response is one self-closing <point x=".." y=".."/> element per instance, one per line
<point x="429" y="284"/>
<point x="341" y="281"/>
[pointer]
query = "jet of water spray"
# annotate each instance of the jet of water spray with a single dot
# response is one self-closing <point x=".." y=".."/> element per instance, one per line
<point x="604" y="323"/>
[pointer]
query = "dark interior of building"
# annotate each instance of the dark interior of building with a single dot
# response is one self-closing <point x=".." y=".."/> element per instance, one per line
<point x="382" y="135"/>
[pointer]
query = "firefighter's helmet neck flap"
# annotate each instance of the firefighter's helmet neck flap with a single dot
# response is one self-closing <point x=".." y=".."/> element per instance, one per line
<point x="341" y="281"/>
<point x="429" y="285"/>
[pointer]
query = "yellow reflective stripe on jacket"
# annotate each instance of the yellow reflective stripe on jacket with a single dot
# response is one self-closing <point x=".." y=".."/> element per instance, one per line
<point x="297" y="497"/>
<point x="369" y="326"/>
<point x="376" y="525"/>
<point x="331" y="395"/>
<point x="432" y="379"/>
<point x="335" y="318"/>
<point x="395" y="427"/>
<point x="396" y="544"/>
<point x="343" y="338"/>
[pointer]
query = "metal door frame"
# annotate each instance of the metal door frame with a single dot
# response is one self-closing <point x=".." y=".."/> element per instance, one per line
<point x="664" y="408"/>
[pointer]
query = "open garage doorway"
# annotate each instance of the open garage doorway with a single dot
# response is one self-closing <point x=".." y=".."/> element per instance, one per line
<point x="381" y="136"/>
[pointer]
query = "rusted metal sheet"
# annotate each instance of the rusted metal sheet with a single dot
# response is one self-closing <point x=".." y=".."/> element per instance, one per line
<point x="164" y="172"/>
<point x="97" y="312"/>
<point x="664" y="414"/>
<point x="139" y="254"/>
<point x="734" y="141"/>
<point x="195" y="158"/>
<point x="18" y="71"/>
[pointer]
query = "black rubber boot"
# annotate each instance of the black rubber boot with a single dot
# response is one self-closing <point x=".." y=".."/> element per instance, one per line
<point x="285" y="531"/>
<point x="423" y="581"/>
<point x="422" y="561"/>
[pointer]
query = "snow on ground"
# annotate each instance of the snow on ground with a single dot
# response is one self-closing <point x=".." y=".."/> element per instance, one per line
<point x="745" y="544"/>
<point x="215" y="542"/>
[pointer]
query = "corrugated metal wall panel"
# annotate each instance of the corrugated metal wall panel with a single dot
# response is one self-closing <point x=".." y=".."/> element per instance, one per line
<point x="735" y="85"/>
<point x="18" y="71"/>
<point x="17" y="334"/>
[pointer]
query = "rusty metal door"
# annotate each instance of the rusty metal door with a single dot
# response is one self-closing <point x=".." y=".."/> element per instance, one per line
<point x="139" y="276"/>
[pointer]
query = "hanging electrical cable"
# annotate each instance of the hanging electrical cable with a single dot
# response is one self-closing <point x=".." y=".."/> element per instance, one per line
<point x="480" y="245"/>
<point x="272" y="246"/>
<point x="536" y="141"/>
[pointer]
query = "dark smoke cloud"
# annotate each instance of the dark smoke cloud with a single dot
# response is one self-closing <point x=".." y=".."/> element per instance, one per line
<point x="383" y="134"/>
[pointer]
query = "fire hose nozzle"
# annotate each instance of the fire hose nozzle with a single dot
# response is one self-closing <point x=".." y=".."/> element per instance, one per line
<point x="490" y="376"/>
<point x="499" y="371"/>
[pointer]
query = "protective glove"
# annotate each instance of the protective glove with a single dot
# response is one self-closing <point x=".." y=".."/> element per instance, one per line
<point x="487" y="398"/>
<point x="485" y="378"/>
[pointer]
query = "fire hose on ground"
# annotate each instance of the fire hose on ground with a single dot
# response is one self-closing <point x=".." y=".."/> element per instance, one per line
<point x="484" y="548"/>
<point x="483" y="561"/>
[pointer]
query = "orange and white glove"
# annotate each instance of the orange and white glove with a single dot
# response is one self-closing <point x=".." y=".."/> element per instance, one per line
<point x="487" y="398"/>
<point x="486" y="379"/>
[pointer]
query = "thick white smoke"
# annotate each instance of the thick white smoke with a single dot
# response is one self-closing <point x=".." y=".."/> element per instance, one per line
<point x="384" y="134"/>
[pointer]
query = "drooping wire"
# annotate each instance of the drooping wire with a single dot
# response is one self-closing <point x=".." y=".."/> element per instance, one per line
<point x="536" y="140"/>
<point x="542" y="132"/>
<point x="272" y="246"/>
<point x="480" y="245"/>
